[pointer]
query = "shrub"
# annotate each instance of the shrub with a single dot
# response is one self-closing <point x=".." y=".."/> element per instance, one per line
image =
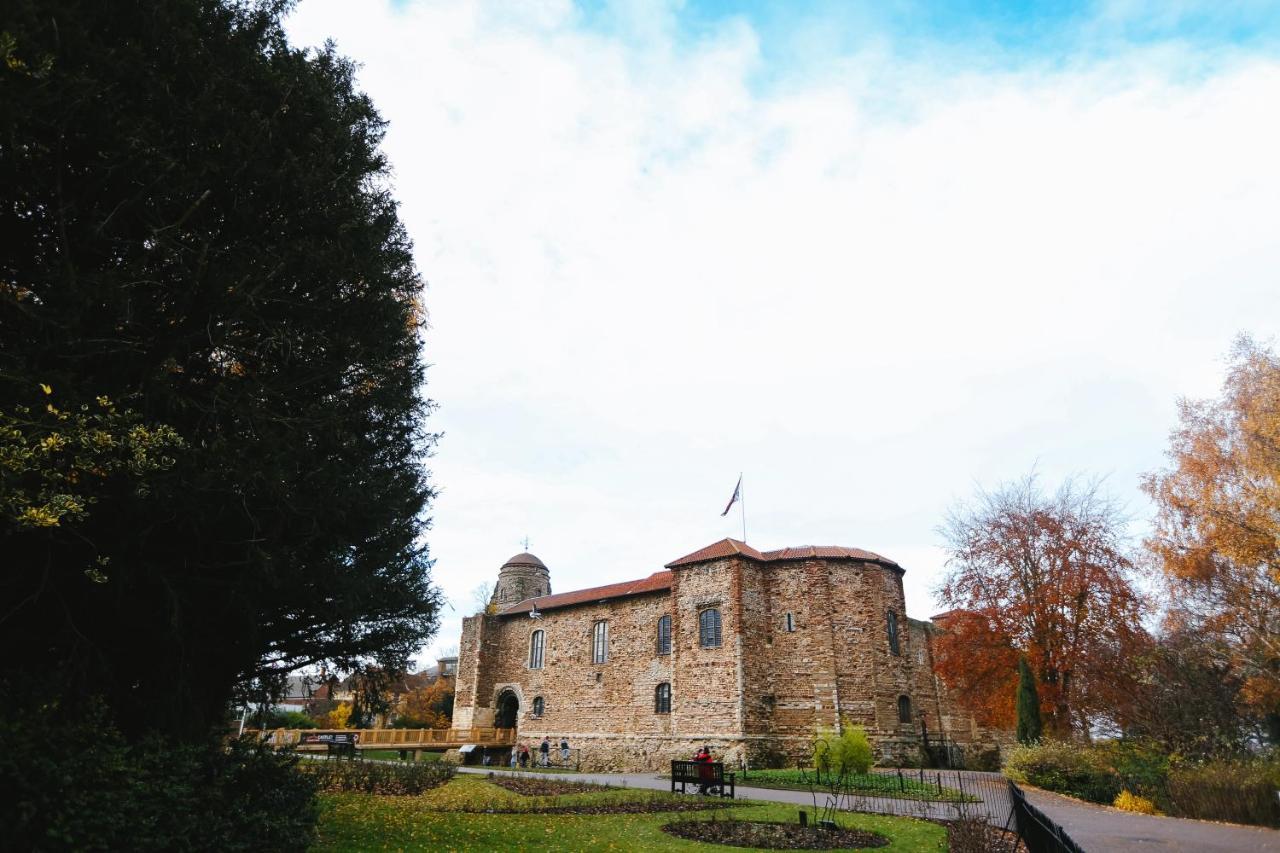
<point x="1128" y="802"/>
<point x="69" y="781"/>
<point x="842" y="754"/>
<point x="1068" y="768"/>
<point x="1237" y="792"/>
<point x="287" y="720"/>
<point x="373" y="777"/>
<point x="1142" y="766"/>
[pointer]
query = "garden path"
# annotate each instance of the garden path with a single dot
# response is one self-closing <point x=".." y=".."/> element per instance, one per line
<point x="1100" y="829"/>
<point x="1097" y="829"/>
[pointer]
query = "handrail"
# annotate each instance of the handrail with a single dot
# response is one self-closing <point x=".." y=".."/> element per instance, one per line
<point x="405" y="738"/>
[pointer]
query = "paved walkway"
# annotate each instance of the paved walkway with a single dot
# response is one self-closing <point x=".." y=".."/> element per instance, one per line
<point x="995" y="804"/>
<point x="1097" y="829"/>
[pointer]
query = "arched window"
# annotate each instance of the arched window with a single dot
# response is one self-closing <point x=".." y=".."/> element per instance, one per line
<point x="538" y="704"/>
<point x="600" y="642"/>
<point x="791" y="623"/>
<point x="664" y="635"/>
<point x="894" y="648"/>
<point x="904" y="709"/>
<point x="662" y="698"/>
<point x="709" y="628"/>
<point x="536" y="643"/>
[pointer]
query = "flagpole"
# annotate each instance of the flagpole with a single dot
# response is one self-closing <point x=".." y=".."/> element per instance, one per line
<point x="742" y="507"/>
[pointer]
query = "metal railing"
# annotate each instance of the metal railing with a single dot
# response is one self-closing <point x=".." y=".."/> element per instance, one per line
<point x="1038" y="832"/>
<point x="398" y="738"/>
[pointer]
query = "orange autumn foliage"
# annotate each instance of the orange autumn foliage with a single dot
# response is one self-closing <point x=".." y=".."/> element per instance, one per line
<point x="1048" y="576"/>
<point x="430" y="707"/>
<point x="1217" y="529"/>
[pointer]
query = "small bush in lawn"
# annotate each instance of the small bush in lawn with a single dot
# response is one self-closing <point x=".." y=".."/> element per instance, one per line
<point x="1068" y="768"/>
<point x="374" y="777"/>
<point x="1128" y="802"/>
<point x="847" y="753"/>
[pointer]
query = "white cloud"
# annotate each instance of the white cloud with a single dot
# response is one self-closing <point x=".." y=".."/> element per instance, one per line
<point x="870" y="285"/>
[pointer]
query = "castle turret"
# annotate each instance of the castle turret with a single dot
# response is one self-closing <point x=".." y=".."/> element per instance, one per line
<point x="523" y="576"/>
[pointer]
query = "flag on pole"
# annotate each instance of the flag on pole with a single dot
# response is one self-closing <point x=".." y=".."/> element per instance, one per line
<point x="737" y="491"/>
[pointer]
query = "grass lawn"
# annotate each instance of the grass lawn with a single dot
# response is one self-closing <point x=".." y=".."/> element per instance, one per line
<point x="872" y="784"/>
<point x="454" y="817"/>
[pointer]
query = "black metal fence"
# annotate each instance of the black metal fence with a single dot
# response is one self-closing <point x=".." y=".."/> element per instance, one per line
<point x="1040" y="834"/>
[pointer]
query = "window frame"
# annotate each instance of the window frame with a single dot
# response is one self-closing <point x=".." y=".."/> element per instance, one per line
<point x="891" y="628"/>
<point x="789" y="623"/>
<point x="538" y="706"/>
<point x="664" y="635"/>
<point x="904" y="705"/>
<point x="662" y="698"/>
<point x="705" y="615"/>
<point x="600" y="641"/>
<point x="537" y="649"/>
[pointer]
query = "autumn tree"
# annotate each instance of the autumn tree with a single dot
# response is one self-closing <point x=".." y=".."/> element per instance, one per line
<point x="1217" y="528"/>
<point x="1042" y="575"/>
<point x="427" y="707"/>
<point x="1185" y="695"/>
<point x="198" y="228"/>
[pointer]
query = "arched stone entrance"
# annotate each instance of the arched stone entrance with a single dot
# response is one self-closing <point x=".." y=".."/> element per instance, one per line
<point x="508" y="710"/>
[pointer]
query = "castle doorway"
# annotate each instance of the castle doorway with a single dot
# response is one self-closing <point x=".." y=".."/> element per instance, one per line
<point x="508" y="710"/>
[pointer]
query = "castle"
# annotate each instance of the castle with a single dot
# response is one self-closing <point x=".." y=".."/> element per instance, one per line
<point x="749" y="652"/>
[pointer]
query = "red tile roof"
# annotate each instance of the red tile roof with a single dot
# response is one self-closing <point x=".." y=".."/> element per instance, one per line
<point x="656" y="582"/>
<point x="732" y="547"/>
<point x="661" y="581"/>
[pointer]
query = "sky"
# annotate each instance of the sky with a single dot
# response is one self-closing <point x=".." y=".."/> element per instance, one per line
<point x="873" y="256"/>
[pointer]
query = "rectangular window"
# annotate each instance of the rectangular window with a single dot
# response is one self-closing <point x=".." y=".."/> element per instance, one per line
<point x="664" y="635"/>
<point x="894" y="648"/>
<point x="536" y="643"/>
<point x="709" y="628"/>
<point x="600" y="642"/>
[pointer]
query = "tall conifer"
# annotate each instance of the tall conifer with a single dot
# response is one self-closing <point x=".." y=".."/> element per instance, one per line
<point x="1029" y="727"/>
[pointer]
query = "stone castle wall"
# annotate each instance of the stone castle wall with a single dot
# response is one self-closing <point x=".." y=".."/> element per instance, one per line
<point x="760" y="696"/>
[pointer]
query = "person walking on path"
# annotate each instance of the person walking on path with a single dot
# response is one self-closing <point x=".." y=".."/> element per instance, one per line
<point x="545" y="750"/>
<point x="524" y="755"/>
<point x="515" y="755"/>
<point x="564" y="751"/>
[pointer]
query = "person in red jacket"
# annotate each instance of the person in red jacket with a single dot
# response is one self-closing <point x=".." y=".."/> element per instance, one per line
<point x="703" y="757"/>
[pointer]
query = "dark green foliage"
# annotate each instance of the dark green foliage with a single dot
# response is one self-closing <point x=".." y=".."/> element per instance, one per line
<point x="375" y="777"/>
<point x="1029" y="727"/>
<point x="197" y="223"/>
<point x="283" y="720"/>
<point x="71" y="782"/>
<point x="1236" y="792"/>
<point x="1068" y="768"/>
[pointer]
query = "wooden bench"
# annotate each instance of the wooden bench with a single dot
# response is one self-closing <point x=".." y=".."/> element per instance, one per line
<point x="709" y="776"/>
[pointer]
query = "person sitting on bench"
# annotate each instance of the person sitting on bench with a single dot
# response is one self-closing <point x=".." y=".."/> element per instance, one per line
<point x="705" y="773"/>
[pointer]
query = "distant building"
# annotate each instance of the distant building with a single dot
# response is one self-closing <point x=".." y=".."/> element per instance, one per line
<point x="750" y="652"/>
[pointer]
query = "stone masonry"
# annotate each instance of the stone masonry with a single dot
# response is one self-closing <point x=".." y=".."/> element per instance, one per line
<point x="804" y="645"/>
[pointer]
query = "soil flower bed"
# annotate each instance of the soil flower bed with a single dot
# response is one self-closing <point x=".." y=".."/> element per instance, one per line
<point x="547" y="787"/>
<point x="773" y="836"/>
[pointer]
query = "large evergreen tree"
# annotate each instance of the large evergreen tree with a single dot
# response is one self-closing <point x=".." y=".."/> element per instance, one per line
<point x="197" y="226"/>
